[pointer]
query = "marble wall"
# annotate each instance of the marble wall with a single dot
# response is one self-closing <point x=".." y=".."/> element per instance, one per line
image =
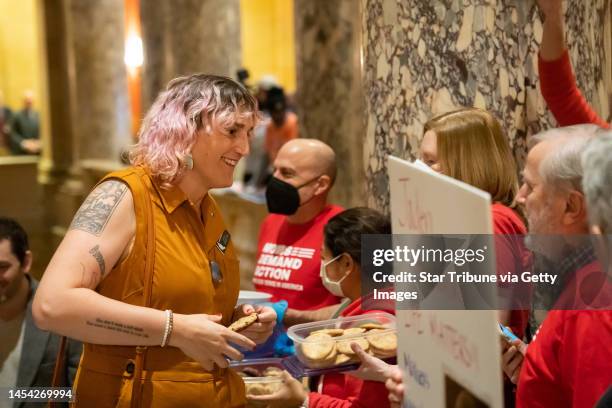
<point x="589" y="30"/>
<point x="424" y="58"/>
<point x="329" y="94"/>
<point x="102" y="103"/>
<point x="187" y="36"/>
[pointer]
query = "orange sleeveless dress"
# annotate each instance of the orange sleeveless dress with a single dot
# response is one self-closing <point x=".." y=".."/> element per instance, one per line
<point x="182" y="281"/>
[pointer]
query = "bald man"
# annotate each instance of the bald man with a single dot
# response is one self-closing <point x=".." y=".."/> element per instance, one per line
<point x="290" y="238"/>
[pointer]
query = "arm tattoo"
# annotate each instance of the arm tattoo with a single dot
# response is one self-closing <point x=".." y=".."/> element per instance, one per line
<point x="98" y="207"/>
<point x="118" y="327"/>
<point x="95" y="252"/>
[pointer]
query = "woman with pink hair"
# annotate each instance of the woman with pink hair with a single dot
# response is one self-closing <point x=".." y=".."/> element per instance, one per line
<point x="147" y="276"/>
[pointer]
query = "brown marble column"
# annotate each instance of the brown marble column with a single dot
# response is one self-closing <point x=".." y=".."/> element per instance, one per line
<point x="187" y="36"/>
<point x="424" y="58"/>
<point x="61" y="191"/>
<point x="102" y="111"/>
<point x="58" y="110"/>
<point x="87" y="114"/>
<point x="329" y="89"/>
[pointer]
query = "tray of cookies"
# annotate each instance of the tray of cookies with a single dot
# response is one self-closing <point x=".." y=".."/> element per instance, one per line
<point x="326" y="345"/>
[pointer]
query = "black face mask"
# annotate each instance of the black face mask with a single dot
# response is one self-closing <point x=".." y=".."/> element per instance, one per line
<point x="282" y="197"/>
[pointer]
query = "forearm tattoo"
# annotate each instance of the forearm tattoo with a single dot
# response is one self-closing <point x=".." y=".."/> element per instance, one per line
<point x="118" y="327"/>
<point x="95" y="252"/>
<point x="97" y="209"/>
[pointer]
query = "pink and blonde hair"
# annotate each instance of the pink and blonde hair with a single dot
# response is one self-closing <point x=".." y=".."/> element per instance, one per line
<point x="188" y="105"/>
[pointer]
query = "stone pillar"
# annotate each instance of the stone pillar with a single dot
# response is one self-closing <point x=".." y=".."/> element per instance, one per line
<point x="188" y="36"/>
<point x="57" y="110"/>
<point x="103" y="113"/>
<point x="329" y="89"/>
<point x="87" y="113"/>
<point x="425" y="58"/>
<point x="58" y="170"/>
<point x="589" y="36"/>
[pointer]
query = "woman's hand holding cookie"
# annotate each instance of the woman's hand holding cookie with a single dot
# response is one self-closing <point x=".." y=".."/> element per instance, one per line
<point x="202" y="338"/>
<point x="262" y="327"/>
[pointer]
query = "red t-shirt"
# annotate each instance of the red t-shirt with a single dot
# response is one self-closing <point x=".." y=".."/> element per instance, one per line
<point x="345" y="391"/>
<point x="564" y="99"/>
<point x="568" y="364"/>
<point x="289" y="260"/>
<point x="510" y="255"/>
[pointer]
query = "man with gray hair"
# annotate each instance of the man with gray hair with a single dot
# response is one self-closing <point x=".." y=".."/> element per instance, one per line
<point x="568" y="363"/>
<point x="597" y="186"/>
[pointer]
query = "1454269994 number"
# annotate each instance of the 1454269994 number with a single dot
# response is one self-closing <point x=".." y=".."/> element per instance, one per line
<point x="38" y="394"/>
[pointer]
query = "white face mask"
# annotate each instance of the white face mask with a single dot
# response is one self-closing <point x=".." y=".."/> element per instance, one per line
<point x="333" y="287"/>
<point x="421" y="165"/>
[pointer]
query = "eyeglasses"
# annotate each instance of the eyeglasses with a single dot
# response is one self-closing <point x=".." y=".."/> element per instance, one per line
<point x="215" y="273"/>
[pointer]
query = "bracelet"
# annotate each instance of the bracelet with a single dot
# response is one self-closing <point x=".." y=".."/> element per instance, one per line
<point x="168" y="329"/>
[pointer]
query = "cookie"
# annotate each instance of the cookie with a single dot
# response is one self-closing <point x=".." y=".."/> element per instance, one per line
<point x="331" y="332"/>
<point x="317" y="347"/>
<point x="344" y="346"/>
<point x="383" y="354"/>
<point x="383" y="344"/>
<point x="353" y="331"/>
<point x="243" y="322"/>
<point x="272" y="372"/>
<point x="383" y="341"/>
<point x="257" y="389"/>
<point x="326" y="362"/>
<point x="370" y="326"/>
<point x="341" y="359"/>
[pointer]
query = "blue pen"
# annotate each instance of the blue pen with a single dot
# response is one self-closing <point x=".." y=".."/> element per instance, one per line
<point x="507" y="333"/>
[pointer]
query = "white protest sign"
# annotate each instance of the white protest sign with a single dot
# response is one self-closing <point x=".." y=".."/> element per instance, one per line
<point x="448" y="357"/>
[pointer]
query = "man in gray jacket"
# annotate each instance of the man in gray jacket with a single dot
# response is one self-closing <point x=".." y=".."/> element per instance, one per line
<point x="27" y="354"/>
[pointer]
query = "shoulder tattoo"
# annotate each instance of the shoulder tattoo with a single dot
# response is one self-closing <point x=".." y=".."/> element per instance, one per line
<point x="98" y="207"/>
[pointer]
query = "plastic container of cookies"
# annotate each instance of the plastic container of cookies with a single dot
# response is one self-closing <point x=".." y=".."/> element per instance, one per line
<point x="262" y="385"/>
<point x="258" y="367"/>
<point x="325" y="346"/>
<point x="261" y="376"/>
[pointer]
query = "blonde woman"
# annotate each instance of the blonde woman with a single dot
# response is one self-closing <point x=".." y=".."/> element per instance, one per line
<point x="469" y="145"/>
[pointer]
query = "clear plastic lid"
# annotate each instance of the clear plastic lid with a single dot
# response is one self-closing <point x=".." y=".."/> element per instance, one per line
<point x="259" y="363"/>
<point x="300" y="332"/>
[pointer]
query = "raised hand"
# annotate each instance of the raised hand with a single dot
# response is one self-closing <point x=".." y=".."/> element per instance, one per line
<point x="551" y="8"/>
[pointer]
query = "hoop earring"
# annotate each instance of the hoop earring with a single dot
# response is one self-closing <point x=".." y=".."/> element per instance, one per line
<point x="188" y="161"/>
